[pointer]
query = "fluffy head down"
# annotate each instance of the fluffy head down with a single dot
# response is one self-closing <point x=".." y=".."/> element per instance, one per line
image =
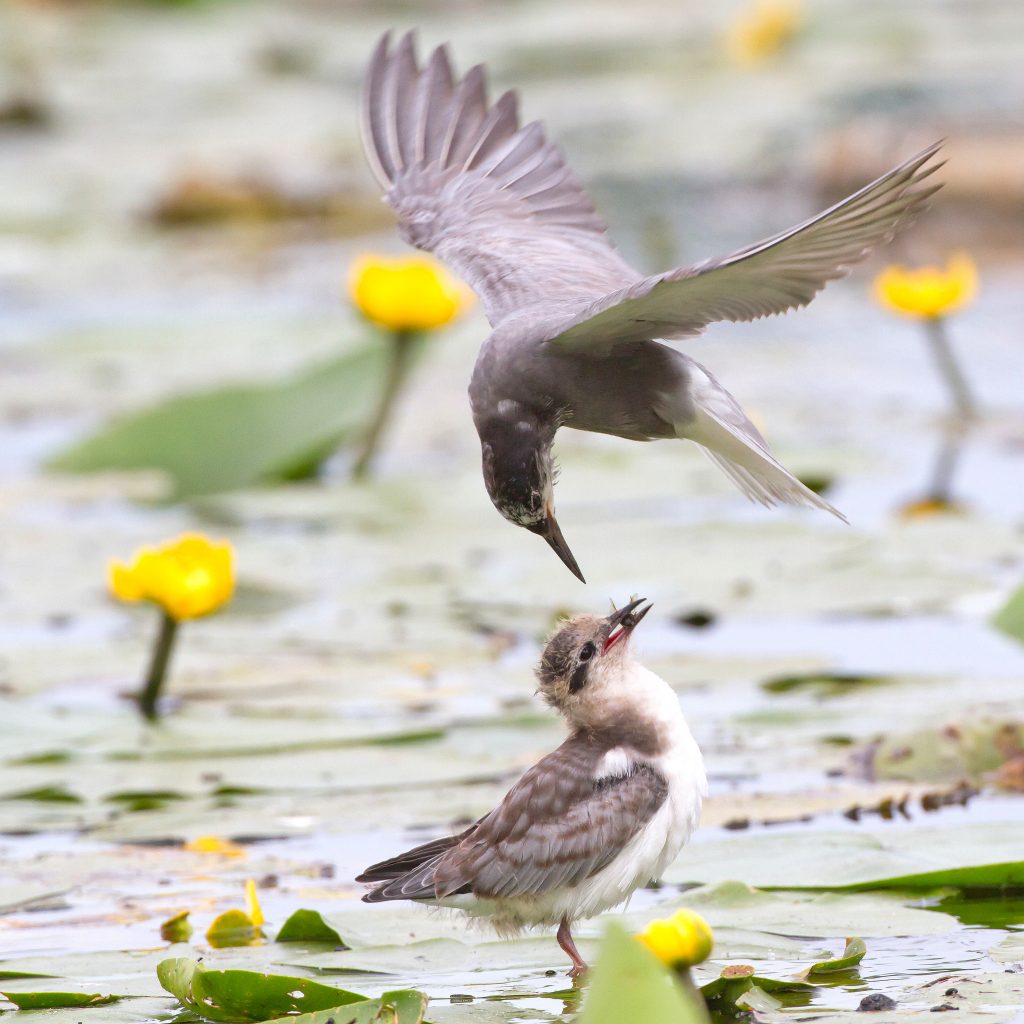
<point x="585" y="669"/>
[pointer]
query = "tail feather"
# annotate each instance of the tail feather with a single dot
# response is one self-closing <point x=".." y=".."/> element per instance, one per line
<point x="410" y="875"/>
<point x="736" y="446"/>
<point x="415" y="884"/>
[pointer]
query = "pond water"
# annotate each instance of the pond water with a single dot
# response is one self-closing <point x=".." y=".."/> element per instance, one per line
<point x="371" y="686"/>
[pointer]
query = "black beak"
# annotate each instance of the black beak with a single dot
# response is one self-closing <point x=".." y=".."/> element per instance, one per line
<point x="550" y="531"/>
<point x="629" y="616"/>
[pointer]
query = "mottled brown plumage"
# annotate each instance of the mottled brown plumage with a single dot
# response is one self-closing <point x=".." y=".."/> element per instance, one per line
<point x="544" y="854"/>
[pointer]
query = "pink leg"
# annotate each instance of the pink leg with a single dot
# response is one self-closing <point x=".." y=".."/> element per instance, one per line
<point x="579" y="965"/>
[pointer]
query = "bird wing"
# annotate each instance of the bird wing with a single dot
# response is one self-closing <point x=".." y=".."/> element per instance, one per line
<point x="556" y="827"/>
<point x="493" y="200"/>
<point x="772" y="276"/>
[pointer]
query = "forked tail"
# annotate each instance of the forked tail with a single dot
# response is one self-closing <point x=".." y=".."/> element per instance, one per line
<point x="736" y="446"/>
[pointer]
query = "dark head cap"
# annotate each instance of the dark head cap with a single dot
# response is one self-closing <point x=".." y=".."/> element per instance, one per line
<point x="519" y="476"/>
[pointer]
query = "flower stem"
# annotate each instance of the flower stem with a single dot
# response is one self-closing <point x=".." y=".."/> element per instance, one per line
<point x="158" y="667"/>
<point x="402" y="343"/>
<point x="949" y="368"/>
<point x="941" y="487"/>
<point x="696" y="997"/>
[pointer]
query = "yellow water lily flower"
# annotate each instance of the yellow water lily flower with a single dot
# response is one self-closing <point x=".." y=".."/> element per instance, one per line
<point x="683" y="940"/>
<point x="406" y="294"/>
<point x="762" y="29"/>
<point x="188" y="577"/>
<point x="214" y="844"/>
<point x="928" y="292"/>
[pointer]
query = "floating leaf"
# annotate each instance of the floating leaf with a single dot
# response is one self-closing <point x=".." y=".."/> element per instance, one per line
<point x="821" y="914"/>
<point x="402" y="1007"/>
<point x="1010" y="950"/>
<point x="46" y="794"/>
<point x="828" y="684"/>
<point x="232" y="928"/>
<point x="56" y="1000"/>
<point x="176" y="928"/>
<point x="308" y="926"/>
<point x="17" y="898"/>
<point x="246" y="995"/>
<point x="144" y="800"/>
<point x="243" y="435"/>
<point x="739" y="986"/>
<point x="985" y="855"/>
<point x="990" y="910"/>
<point x="852" y="956"/>
<point x="629" y="983"/>
<point x="1010" y="618"/>
<point x="965" y="750"/>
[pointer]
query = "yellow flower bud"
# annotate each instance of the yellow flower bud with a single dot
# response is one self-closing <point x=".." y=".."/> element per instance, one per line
<point x="928" y="292"/>
<point x="413" y="294"/>
<point x="252" y="904"/>
<point x="682" y="940"/>
<point x="762" y="29"/>
<point x="188" y="577"/>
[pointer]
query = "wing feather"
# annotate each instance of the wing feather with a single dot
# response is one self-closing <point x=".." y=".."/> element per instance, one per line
<point x="556" y="827"/>
<point x="494" y="200"/>
<point x="771" y="276"/>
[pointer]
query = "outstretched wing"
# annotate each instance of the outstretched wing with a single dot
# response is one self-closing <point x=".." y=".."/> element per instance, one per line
<point x="772" y="276"/>
<point x="556" y="827"/>
<point x="494" y="201"/>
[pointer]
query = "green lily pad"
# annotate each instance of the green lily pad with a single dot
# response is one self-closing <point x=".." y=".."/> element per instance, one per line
<point x="739" y="985"/>
<point x="46" y="794"/>
<point x="246" y="995"/>
<point x="628" y="983"/>
<point x="828" y="684"/>
<point x="401" y="1007"/>
<point x="978" y="856"/>
<point x="242" y="435"/>
<point x="1010" y="950"/>
<point x="308" y="926"/>
<point x="950" y="754"/>
<point x="1010" y="618"/>
<point x="852" y="955"/>
<point x="820" y="914"/>
<point x="57" y="1000"/>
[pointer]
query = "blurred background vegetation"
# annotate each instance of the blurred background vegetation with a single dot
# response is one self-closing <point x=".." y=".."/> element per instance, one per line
<point x="182" y="196"/>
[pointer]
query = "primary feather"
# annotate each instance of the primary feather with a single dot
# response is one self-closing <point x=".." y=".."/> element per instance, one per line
<point x="494" y="200"/>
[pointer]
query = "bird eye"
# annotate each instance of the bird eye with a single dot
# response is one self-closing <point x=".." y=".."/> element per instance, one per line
<point x="587" y="651"/>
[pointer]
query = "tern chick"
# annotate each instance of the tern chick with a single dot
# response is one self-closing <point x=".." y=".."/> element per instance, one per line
<point x="603" y="814"/>
<point x="574" y="325"/>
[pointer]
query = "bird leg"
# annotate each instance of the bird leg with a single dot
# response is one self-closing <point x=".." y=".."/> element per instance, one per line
<point x="579" y="965"/>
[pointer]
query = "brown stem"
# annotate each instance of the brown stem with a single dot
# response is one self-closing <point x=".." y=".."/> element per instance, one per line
<point x="402" y="344"/>
<point x="158" y="667"/>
